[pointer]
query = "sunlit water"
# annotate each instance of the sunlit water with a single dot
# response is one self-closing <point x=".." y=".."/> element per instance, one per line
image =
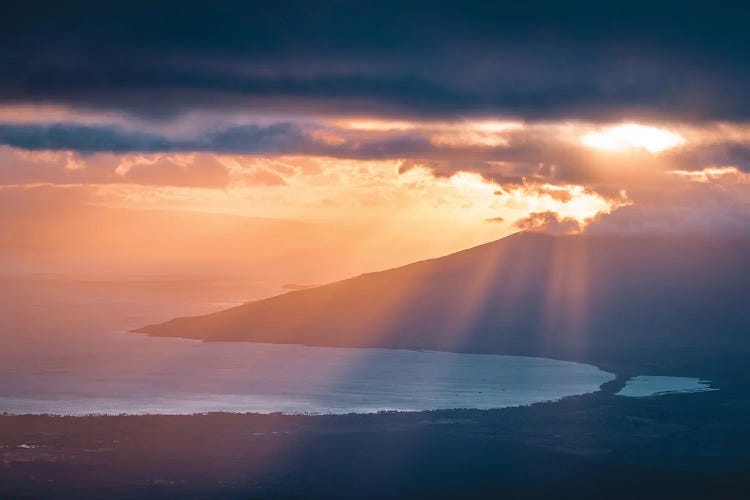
<point x="249" y="377"/>
<point x="648" y="386"/>
<point x="64" y="349"/>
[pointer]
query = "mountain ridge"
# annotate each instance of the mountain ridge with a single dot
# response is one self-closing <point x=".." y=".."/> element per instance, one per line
<point x="624" y="302"/>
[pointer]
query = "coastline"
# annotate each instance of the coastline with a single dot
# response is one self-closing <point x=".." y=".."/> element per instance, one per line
<point x="576" y="444"/>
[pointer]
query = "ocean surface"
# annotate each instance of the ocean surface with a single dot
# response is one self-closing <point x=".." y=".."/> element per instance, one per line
<point x="177" y="376"/>
<point x="645" y="386"/>
<point x="65" y="349"/>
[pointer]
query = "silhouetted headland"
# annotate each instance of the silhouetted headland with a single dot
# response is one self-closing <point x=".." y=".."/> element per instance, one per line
<point x="628" y="303"/>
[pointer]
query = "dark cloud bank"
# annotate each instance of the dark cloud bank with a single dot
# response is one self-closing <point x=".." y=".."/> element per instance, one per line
<point x="588" y="60"/>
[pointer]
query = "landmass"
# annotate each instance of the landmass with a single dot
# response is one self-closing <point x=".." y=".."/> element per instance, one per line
<point x="630" y="304"/>
<point x="594" y="446"/>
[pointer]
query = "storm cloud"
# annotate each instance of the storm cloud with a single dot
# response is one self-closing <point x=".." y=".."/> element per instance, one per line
<point x="420" y="59"/>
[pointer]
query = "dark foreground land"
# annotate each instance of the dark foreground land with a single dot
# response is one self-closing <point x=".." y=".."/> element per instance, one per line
<point x="599" y="445"/>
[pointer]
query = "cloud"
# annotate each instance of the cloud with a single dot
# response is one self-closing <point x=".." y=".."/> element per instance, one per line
<point x="723" y="152"/>
<point x="79" y="138"/>
<point x="535" y="61"/>
<point x="262" y="177"/>
<point x="695" y="219"/>
<point x="503" y="91"/>
<point x="552" y="151"/>
<point x="713" y="201"/>
<point x="66" y="167"/>
<point x="545" y="162"/>
<point x="549" y="222"/>
<point x="198" y="171"/>
<point x="276" y="138"/>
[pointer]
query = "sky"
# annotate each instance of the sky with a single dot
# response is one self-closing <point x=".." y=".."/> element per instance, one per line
<point x="397" y="131"/>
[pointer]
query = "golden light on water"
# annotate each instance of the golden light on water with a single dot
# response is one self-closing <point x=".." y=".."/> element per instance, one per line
<point x="632" y="136"/>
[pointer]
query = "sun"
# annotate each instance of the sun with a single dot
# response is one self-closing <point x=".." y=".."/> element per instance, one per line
<point x="631" y="136"/>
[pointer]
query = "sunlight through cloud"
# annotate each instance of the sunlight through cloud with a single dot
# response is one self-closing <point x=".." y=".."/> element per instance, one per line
<point x="632" y="136"/>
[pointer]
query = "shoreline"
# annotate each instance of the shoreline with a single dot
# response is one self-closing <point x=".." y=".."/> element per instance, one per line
<point x="674" y="444"/>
